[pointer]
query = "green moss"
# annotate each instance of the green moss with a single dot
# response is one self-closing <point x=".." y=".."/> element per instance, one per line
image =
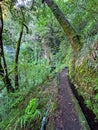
<point x="87" y="82"/>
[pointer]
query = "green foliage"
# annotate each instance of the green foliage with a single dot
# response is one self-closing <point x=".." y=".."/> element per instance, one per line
<point x="87" y="82"/>
<point x="31" y="108"/>
<point x="1" y="84"/>
<point x="15" y="101"/>
<point x="31" y="113"/>
<point x="96" y="97"/>
<point x="34" y="69"/>
<point x="88" y="103"/>
<point x="33" y="74"/>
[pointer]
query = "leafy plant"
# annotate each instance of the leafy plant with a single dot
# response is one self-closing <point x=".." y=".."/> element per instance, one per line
<point x="32" y="106"/>
<point x="31" y="113"/>
<point x="88" y="103"/>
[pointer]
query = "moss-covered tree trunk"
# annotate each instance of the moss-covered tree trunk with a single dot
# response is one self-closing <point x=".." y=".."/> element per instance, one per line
<point x="68" y="29"/>
<point x="17" y="53"/>
<point x="3" y="69"/>
<point x="1" y="29"/>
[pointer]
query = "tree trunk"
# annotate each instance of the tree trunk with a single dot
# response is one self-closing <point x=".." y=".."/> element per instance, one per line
<point x="68" y="29"/>
<point x="3" y="70"/>
<point x="1" y="29"/>
<point x="17" y="53"/>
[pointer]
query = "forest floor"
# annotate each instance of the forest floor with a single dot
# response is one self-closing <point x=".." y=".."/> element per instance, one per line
<point x="67" y="117"/>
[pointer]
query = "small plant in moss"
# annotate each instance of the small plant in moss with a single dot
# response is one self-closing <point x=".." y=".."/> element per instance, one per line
<point x="88" y="103"/>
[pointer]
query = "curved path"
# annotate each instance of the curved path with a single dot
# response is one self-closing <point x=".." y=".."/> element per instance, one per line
<point x="67" y="118"/>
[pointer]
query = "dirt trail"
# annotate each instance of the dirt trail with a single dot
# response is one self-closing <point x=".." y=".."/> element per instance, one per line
<point x="66" y="118"/>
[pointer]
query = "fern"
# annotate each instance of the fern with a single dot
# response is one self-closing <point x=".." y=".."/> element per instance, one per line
<point x="32" y="106"/>
<point x="31" y="113"/>
<point x="37" y="114"/>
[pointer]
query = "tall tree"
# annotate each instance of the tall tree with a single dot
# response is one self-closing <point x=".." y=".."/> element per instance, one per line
<point x="3" y="69"/>
<point x="68" y="29"/>
<point x="17" y="52"/>
<point x="18" y="49"/>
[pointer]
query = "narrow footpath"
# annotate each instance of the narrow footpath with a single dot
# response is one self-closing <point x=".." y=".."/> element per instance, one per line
<point x="67" y="117"/>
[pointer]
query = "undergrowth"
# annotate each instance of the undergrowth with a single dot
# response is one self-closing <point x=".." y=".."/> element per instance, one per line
<point x="31" y="113"/>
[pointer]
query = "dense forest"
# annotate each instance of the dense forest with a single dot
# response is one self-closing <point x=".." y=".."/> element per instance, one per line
<point x="39" y="39"/>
